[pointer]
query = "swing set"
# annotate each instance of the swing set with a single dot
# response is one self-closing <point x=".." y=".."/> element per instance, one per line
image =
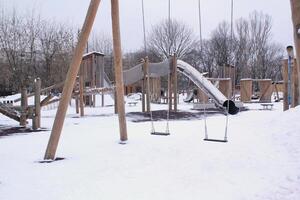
<point x="167" y="132"/>
<point x="76" y="60"/>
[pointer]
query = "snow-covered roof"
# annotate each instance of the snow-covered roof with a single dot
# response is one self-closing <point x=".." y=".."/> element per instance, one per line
<point x="93" y="52"/>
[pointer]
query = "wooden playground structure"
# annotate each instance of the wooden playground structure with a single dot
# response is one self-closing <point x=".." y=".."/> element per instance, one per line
<point x="78" y="53"/>
<point x="91" y="82"/>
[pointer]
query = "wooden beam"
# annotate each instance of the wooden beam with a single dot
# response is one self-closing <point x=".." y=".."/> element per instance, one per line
<point x="295" y="7"/>
<point x="295" y="85"/>
<point x="24" y="105"/>
<point x="45" y="101"/>
<point x="37" y="103"/>
<point x="81" y="88"/>
<point x="7" y="113"/>
<point x="175" y="89"/>
<point x="76" y="88"/>
<point x="246" y="90"/>
<point x="58" y="85"/>
<point x="143" y="87"/>
<point x="118" y="68"/>
<point x="146" y="71"/>
<point x="285" y="84"/>
<point x="170" y="99"/>
<point x="70" y="79"/>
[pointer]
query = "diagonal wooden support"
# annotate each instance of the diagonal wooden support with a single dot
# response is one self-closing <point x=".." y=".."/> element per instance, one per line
<point x="70" y="80"/>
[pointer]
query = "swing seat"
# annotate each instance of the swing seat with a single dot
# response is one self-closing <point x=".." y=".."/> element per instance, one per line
<point x="215" y="140"/>
<point x="160" y="133"/>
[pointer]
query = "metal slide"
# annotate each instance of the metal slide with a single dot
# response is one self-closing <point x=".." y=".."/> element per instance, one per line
<point x="136" y="73"/>
<point x="204" y="84"/>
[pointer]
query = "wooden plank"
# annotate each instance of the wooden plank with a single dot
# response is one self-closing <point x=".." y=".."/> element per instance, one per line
<point x="246" y="90"/>
<point x="266" y="90"/>
<point x="46" y="100"/>
<point x="7" y="113"/>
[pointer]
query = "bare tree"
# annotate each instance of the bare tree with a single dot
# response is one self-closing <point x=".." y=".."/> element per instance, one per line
<point x="18" y="43"/>
<point x="56" y="43"/>
<point x="167" y="38"/>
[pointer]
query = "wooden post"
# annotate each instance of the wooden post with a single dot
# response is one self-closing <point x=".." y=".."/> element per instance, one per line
<point x="170" y="86"/>
<point x="77" y="95"/>
<point x="93" y="83"/>
<point x="143" y="95"/>
<point x="146" y="71"/>
<point x="175" y="89"/>
<point x="70" y="79"/>
<point x="37" y="104"/>
<point x="246" y="90"/>
<point x="81" y="88"/>
<point x="295" y="7"/>
<point x="295" y="85"/>
<point x="118" y="68"/>
<point x="285" y="84"/>
<point x="24" y="105"/>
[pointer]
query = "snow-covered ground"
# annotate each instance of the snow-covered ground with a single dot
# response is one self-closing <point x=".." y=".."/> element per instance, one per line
<point x="261" y="160"/>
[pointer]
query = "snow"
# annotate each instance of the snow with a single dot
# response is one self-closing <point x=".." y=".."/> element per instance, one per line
<point x="261" y="160"/>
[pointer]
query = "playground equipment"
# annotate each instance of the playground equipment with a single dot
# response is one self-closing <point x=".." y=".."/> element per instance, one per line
<point x="166" y="67"/>
<point x="265" y="90"/>
<point x="24" y="112"/>
<point x="290" y="81"/>
<point x="186" y="69"/>
<point x="295" y="7"/>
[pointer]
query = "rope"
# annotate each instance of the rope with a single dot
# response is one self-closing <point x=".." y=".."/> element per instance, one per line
<point x="144" y="29"/>
<point x="169" y="26"/>
<point x="146" y="63"/>
<point x="200" y="24"/>
<point x="205" y="124"/>
<point x="148" y="84"/>
<point x="201" y="44"/>
<point x="168" y="110"/>
<point x="231" y="46"/>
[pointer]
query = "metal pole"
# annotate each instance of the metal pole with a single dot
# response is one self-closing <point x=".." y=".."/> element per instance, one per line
<point x="290" y="58"/>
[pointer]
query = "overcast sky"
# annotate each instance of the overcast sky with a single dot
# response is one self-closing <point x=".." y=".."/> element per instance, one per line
<point x="213" y="12"/>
